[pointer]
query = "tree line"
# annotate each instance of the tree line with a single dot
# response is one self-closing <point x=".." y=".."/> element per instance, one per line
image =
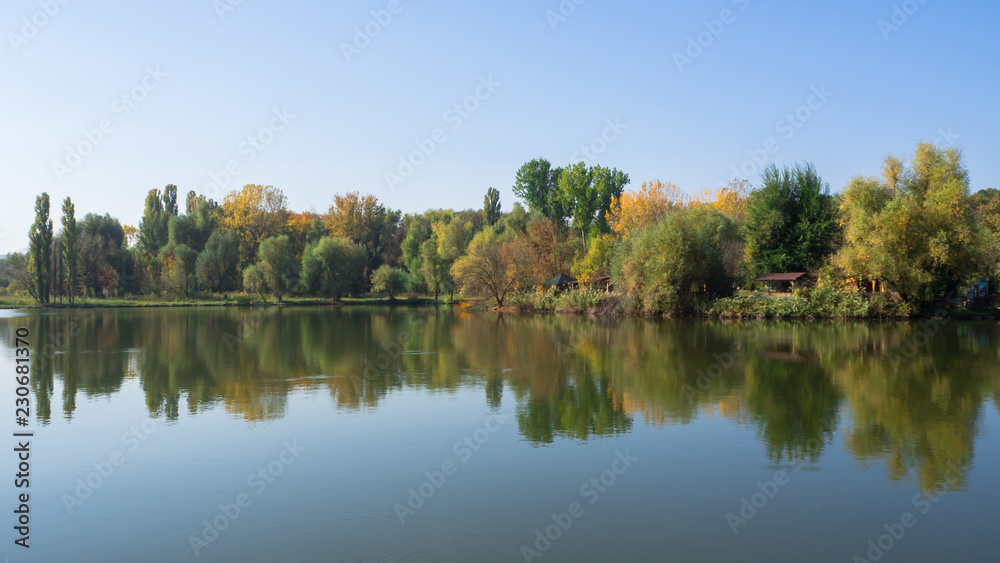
<point x="916" y="228"/>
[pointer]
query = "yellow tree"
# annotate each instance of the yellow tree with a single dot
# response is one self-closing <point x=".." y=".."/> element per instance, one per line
<point x="730" y="200"/>
<point x="634" y="210"/>
<point x="254" y="213"/>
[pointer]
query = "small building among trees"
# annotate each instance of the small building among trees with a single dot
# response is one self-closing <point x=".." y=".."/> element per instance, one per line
<point x="780" y="283"/>
<point x="561" y="282"/>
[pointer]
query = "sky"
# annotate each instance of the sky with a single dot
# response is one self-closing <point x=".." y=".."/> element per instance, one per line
<point x="428" y="104"/>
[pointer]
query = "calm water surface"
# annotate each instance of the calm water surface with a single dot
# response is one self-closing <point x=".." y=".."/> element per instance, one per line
<point x="318" y="434"/>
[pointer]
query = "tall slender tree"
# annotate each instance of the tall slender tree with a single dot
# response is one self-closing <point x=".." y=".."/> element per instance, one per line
<point x="154" y="227"/>
<point x="491" y="206"/>
<point x="70" y="234"/>
<point x="40" y="237"/>
<point x="170" y="200"/>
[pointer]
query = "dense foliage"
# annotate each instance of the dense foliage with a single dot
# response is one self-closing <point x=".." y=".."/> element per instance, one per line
<point x="918" y="232"/>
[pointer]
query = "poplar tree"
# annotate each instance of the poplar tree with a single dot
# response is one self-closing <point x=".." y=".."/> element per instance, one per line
<point x="40" y="244"/>
<point x="70" y="235"/>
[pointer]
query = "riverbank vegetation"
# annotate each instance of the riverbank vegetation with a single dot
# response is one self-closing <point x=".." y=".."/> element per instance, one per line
<point x="884" y="246"/>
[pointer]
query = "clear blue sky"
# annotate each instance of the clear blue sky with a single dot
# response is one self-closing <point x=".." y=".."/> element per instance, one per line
<point x="933" y="78"/>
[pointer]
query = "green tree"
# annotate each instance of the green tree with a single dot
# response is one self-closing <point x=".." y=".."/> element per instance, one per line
<point x="986" y="206"/>
<point x="418" y="231"/>
<point x="194" y="228"/>
<point x="491" y="207"/>
<point x="587" y="195"/>
<point x="170" y="200"/>
<point x="388" y="280"/>
<point x="791" y="221"/>
<point x="253" y="280"/>
<point x="597" y="261"/>
<point x="154" y="229"/>
<point x="104" y="261"/>
<point x="70" y="235"/>
<point x="179" y="268"/>
<point x="517" y="220"/>
<point x="913" y="229"/>
<point x="333" y="267"/>
<point x="277" y="265"/>
<point x="666" y="266"/>
<point x="537" y="183"/>
<point x="40" y="244"/>
<point x="217" y="261"/>
<point x="435" y="267"/>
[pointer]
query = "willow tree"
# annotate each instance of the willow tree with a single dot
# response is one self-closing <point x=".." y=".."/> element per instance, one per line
<point x="914" y="228"/>
<point x="667" y="266"/>
<point x="791" y="222"/>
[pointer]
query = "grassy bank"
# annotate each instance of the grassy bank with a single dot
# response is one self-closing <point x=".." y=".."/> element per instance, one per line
<point x="819" y="303"/>
<point x="815" y="303"/>
<point x="20" y="302"/>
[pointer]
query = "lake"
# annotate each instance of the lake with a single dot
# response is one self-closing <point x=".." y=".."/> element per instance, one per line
<point x="422" y="434"/>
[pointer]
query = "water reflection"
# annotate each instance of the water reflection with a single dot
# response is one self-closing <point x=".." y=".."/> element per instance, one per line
<point x="908" y="395"/>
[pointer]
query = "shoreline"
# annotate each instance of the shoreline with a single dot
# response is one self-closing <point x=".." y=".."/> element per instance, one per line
<point x="596" y="313"/>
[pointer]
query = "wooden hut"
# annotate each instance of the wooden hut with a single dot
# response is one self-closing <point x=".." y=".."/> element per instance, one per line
<point x="779" y="283"/>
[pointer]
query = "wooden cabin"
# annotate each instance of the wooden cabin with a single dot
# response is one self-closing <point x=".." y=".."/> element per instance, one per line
<point x="779" y="283"/>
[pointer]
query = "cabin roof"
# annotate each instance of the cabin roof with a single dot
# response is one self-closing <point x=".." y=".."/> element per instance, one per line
<point x="791" y="276"/>
<point x="561" y="279"/>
